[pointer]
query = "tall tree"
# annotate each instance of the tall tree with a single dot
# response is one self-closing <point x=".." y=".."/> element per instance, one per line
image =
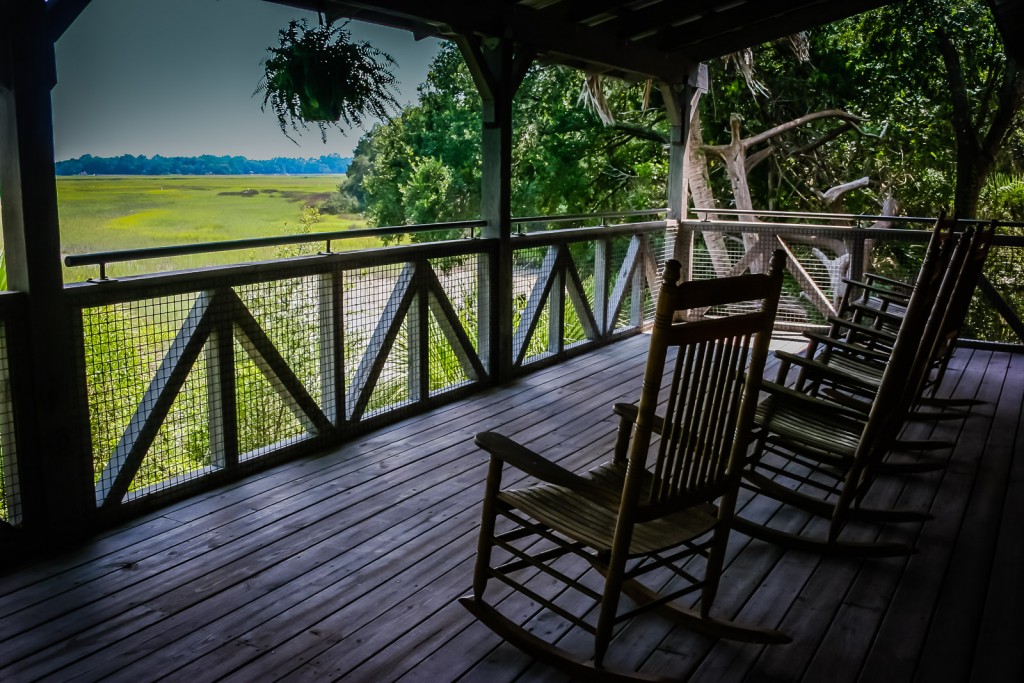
<point x="942" y="63"/>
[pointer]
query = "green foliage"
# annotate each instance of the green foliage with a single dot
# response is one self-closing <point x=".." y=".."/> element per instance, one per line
<point x="429" y="191"/>
<point x="114" y="382"/>
<point x="567" y="161"/>
<point x="1002" y="198"/>
<point x="886" y="66"/>
<point x="424" y="166"/>
<point x="939" y="78"/>
<point x="318" y="75"/>
<point x="342" y="201"/>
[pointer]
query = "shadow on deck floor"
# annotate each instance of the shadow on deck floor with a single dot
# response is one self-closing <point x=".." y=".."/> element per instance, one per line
<point x="347" y="566"/>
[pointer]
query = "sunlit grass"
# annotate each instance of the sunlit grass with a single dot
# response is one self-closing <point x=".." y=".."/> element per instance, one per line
<point x="111" y="213"/>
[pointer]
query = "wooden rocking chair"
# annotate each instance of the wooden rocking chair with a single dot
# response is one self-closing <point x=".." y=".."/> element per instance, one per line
<point x="821" y="457"/>
<point x="659" y="514"/>
<point x="859" y="368"/>
<point x="859" y="341"/>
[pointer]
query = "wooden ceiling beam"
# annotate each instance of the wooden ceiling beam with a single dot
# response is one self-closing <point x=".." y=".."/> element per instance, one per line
<point x="634" y="39"/>
<point x="749" y="25"/>
<point x="597" y="47"/>
<point x="638" y="24"/>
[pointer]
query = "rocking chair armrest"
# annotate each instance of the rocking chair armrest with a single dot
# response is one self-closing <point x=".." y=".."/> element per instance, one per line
<point x="522" y="458"/>
<point x="850" y="347"/>
<point x="813" y="402"/>
<point x="860" y="328"/>
<point x="888" y="290"/>
<point x="887" y="315"/>
<point x="823" y="370"/>
<point x="629" y="412"/>
<point x="872" y="278"/>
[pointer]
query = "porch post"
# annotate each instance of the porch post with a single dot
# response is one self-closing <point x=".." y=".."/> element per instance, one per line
<point x="498" y="68"/>
<point x="55" y="468"/>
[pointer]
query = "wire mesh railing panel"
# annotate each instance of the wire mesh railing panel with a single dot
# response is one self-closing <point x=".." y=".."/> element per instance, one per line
<point x="539" y="346"/>
<point x="724" y="253"/>
<point x="392" y="388"/>
<point x="634" y="261"/>
<point x="265" y="421"/>
<point x="445" y="369"/>
<point x="227" y="371"/>
<point x="574" y="287"/>
<point x="377" y="300"/>
<point x="10" y="491"/>
<point x="1004" y="270"/>
<point x="140" y="356"/>
<point x="657" y="245"/>
<point x="583" y="255"/>
<point x="453" y="320"/>
<point x="288" y="313"/>
<point x="529" y="268"/>
<point x="896" y="259"/>
<point x="813" y="284"/>
<point x="180" y="451"/>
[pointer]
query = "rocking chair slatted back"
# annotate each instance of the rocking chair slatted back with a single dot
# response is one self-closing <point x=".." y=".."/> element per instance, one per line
<point x="901" y="380"/>
<point x="960" y="300"/>
<point x="694" y="457"/>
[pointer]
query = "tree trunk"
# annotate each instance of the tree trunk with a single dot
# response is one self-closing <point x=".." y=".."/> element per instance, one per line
<point x="976" y="148"/>
<point x="700" y="191"/>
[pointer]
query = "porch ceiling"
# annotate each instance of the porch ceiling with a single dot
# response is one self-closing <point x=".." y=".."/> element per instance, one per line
<point x="633" y="39"/>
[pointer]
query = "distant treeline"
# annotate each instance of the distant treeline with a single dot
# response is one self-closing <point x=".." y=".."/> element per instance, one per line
<point x="207" y="164"/>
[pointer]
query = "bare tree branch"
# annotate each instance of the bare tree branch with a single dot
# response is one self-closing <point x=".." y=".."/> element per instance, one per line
<point x="797" y="122"/>
<point x="833" y="194"/>
<point x="757" y="157"/>
<point x="827" y="137"/>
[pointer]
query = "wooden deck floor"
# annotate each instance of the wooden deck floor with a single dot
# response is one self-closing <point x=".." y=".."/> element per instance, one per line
<point x="347" y="566"/>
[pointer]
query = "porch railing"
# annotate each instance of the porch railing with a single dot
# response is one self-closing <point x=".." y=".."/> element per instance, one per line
<point x="826" y="248"/>
<point x="190" y="378"/>
<point x="200" y="375"/>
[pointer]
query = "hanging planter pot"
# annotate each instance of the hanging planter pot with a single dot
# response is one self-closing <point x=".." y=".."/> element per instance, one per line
<point x="319" y="75"/>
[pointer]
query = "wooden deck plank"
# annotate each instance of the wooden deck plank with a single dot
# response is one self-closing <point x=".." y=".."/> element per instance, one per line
<point x="998" y="655"/>
<point x="347" y="565"/>
<point x="199" y="520"/>
<point x="897" y="652"/>
<point x="583" y="410"/>
<point x="949" y="650"/>
<point x="16" y="585"/>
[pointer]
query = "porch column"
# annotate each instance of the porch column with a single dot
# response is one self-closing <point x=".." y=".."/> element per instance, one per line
<point x="55" y="468"/>
<point x="498" y="68"/>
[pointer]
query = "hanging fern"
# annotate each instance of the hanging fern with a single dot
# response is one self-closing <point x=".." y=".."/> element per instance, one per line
<point x="319" y="75"/>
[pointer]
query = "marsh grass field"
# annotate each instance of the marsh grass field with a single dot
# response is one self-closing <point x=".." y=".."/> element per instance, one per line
<point x="110" y="213"/>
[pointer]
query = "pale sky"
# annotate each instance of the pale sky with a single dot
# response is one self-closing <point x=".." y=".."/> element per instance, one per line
<point x="177" y="79"/>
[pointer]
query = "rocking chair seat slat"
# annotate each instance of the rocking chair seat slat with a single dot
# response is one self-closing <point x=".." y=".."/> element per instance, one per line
<point x="827" y="431"/>
<point x="583" y="520"/>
